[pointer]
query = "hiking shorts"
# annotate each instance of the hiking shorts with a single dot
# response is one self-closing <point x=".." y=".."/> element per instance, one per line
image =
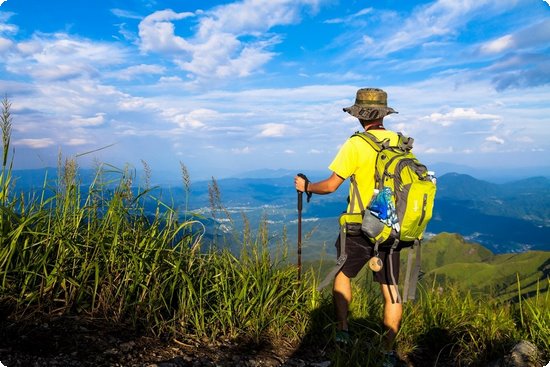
<point x="359" y="250"/>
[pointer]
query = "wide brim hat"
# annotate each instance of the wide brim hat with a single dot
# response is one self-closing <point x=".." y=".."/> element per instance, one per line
<point x="370" y="104"/>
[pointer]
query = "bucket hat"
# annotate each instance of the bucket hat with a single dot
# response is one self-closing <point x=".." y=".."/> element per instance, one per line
<point x="370" y="104"/>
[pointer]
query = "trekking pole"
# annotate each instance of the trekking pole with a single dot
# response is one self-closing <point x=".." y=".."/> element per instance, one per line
<point x="300" y="196"/>
<point x="300" y="201"/>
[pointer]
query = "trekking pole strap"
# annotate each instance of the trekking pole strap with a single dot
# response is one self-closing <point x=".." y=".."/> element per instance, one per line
<point x="307" y="181"/>
<point x="355" y="194"/>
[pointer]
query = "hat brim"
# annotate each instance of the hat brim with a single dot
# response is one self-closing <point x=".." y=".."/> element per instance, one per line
<point x="369" y="113"/>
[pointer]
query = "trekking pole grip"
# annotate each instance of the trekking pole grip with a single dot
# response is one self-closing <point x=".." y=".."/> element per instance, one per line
<point x="306" y="184"/>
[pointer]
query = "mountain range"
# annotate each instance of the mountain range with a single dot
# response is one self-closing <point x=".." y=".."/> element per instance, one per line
<point x="504" y="217"/>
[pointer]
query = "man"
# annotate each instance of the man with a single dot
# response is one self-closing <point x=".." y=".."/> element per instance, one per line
<point x="356" y="157"/>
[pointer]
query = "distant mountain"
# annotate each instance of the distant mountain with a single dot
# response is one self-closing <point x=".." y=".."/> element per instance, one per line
<point x="492" y="174"/>
<point x="506" y="217"/>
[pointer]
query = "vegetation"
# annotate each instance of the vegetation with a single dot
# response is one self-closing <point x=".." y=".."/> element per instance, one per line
<point x="102" y="255"/>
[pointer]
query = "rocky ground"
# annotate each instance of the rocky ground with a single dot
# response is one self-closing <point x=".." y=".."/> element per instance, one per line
<point x="76" y="341"/>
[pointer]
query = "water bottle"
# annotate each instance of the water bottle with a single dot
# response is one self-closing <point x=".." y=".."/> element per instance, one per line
<point x="431" y="176"/>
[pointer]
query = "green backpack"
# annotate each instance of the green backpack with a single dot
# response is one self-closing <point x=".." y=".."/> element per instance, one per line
<point x="408" y="188"/>
<point x="398" y="212"/>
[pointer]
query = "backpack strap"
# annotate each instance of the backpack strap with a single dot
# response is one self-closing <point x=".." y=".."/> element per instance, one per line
<point x="355" y="194"/>
<point x="405" y="143"/>
<point x="373" y="141"/>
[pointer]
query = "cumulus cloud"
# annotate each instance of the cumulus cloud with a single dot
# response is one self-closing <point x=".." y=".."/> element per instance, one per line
<point x="194" y="119"/>
<point x="230" y="40"/>
<point x="61" y="57"/>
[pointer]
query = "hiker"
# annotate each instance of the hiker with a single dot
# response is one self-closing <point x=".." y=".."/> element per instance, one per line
<point x="356" y="157"/>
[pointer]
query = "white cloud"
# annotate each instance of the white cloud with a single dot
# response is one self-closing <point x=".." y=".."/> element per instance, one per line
<point x="441" y="19"/>
<point x="96" y="120"/>
<point x="272" y="130"/>
<point x="141" y="70"/>
<point x="121" y="13"/>
<point x="157" y="32"/>
<point x="230" y="40"/>
<point x="495" y="139"/>
<point x="61" y="57"/>
<point x="5" y="44"/>
<point x="499" y="45"/>
<point x="459" y="114"/>
<point x="349" y="18"/>
<point x="35" y="143"/>
<point x="194" y="119"/>
<point x="76" y="141"/>
<point x="444" y="150"/>
<point x="2" y="1"/>
<point x="533" y="36"/>
<point x="7" y="28"/>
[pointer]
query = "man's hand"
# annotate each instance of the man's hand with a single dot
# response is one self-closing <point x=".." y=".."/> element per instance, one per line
<point x="300" y="183"/>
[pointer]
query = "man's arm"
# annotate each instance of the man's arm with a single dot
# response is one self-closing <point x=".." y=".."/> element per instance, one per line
<point x="323" y="187"/>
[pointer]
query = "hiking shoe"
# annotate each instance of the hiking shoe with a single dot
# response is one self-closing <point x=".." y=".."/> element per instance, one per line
<point x="390" y="359"/>
<point x="342" y="337"/>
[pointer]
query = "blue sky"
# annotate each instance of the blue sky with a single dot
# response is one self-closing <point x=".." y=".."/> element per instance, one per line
<point x="225" y="87"/>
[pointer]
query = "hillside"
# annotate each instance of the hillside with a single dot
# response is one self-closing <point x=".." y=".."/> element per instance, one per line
<point x="449" y="259"/>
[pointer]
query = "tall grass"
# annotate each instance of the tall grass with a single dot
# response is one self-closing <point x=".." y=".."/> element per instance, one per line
<point x="96" y="251"/>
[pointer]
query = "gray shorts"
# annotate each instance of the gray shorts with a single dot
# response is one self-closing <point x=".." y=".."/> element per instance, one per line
<point x="360" y="249"/>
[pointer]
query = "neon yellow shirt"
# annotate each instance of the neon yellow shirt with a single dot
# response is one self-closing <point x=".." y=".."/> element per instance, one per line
<point x="357" y="157"/>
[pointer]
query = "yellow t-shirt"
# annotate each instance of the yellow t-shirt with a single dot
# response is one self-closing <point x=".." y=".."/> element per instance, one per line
<point x="357" y="157"/>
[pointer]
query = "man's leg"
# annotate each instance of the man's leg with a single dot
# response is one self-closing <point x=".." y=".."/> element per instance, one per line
<point x="342" y="299"/>
<point x="392" y="313"/>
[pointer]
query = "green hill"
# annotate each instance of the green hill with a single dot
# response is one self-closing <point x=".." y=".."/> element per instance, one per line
<point x="449" y="259"/>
